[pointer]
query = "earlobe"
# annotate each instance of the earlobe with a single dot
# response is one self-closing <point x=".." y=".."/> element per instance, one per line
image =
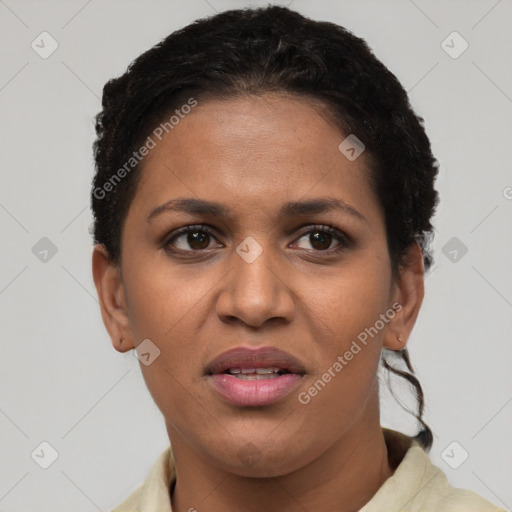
<point x="409" y="292"/>
<point x="110" y="289"/>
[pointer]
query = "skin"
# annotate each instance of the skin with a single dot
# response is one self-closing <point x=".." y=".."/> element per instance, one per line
<point x="253" y="154"/>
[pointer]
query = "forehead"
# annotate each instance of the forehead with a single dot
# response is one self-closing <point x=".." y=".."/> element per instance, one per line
<point x="253" y="151"/>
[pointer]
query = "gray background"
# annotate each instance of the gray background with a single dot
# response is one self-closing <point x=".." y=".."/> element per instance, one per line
<point x="61" y="380"/>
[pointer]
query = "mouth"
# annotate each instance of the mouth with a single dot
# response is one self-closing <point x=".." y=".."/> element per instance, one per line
<point x="247" y="377"/>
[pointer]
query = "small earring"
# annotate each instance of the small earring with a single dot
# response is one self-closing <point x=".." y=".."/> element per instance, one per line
<point x="399" y="338"/>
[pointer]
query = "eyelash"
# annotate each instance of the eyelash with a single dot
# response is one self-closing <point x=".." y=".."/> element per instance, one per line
<point x="338" y="235"/>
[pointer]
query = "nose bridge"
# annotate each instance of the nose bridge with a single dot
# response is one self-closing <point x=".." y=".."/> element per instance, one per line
<point x="254" y="292"/>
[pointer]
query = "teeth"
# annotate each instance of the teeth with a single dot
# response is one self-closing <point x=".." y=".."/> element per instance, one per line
<point x="246" y="373"/>
<point x="259" y="371"/>
<point x="255" y="376"/>
<point x="266" y="371"/>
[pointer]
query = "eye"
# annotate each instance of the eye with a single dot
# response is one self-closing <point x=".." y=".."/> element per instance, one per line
<point x="321" y="238"/>
<point x="197" y="238"/>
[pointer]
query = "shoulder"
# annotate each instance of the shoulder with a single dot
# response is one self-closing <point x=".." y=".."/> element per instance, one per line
<point x="436" y="493"/>
<point x="417" y="485"/>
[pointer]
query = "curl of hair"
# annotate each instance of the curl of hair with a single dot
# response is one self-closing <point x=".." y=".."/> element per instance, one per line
<point x="424" y="436"/>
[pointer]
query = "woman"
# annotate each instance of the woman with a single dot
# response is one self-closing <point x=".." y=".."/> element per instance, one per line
<point x="262" y="206"/>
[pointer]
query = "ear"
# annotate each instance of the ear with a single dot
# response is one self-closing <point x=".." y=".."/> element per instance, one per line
<point x="408" y="292"/>
<point x="110" y="288"/>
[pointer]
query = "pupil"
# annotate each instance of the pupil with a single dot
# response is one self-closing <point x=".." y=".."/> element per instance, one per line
<point x="198" y="236"/>
<point x="324" y="239"/>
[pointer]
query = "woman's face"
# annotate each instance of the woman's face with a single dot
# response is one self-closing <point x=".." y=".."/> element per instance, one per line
<point x="257" y="275"/>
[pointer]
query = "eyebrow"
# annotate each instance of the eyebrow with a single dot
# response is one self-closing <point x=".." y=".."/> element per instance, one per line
<point x="291" y="209"/>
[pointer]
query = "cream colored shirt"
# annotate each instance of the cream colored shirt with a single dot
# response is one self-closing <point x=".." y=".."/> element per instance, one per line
<point x="416" y="485"/>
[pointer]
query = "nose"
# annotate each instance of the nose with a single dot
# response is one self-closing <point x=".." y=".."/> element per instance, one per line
<point x="255" y="292"/>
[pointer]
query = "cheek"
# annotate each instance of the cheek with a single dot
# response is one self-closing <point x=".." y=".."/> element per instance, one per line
<point x="345" y="301"/>
<point x="168" y="309"/>
<point x="344" y="377"/>
<point x="344" y="315"/>
<point x="161" y="300"/>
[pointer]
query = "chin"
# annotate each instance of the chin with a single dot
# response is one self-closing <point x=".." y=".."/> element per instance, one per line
<point x="259" y="460"/>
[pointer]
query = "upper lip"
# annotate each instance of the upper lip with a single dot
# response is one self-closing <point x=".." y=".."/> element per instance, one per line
<point x="263" y="357"/>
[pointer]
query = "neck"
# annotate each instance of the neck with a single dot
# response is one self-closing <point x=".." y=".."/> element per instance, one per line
<point x="344" y="478"/>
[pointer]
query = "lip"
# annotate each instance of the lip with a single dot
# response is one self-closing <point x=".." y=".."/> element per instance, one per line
<point x="262" y="357"/>
<point x="254" y="393"/>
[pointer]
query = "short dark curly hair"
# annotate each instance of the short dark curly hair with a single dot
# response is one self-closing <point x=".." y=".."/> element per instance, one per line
<point x="257" y="51"/>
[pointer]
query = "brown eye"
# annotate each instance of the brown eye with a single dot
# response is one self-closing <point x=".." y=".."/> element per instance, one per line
<point x="198" y="239"/>
<point x="320" y="240"/>
<point x="191" y="238"/>
<point x="321" y="237"/>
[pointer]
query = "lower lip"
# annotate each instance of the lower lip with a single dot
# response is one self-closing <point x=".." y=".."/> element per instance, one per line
<point x="253" y="393"/>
